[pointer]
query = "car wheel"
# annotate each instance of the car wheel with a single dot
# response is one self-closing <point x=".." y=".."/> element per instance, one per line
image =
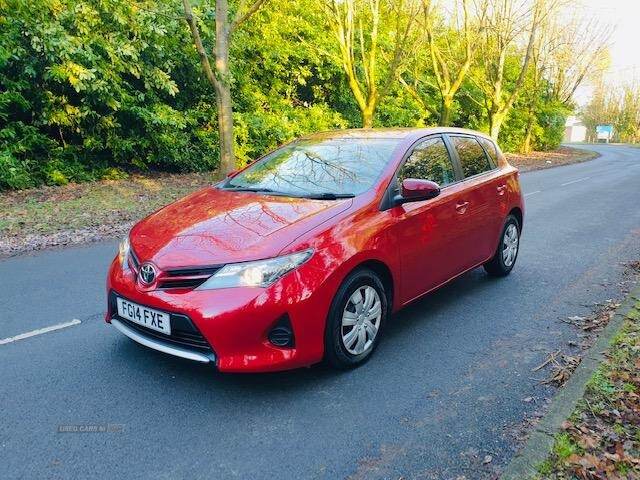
<point x="507" y="252"/>
<point x="356" y="318"/>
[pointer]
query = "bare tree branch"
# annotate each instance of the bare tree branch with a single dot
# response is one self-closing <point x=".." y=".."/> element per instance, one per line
<point x="241" y="18"/>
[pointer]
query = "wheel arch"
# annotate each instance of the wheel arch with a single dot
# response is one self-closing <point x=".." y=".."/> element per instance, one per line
<point x="384" y="272"/>
<point x="517" y="212"/>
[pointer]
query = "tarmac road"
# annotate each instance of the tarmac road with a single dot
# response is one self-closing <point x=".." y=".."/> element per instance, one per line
<point x="443" y="390"/>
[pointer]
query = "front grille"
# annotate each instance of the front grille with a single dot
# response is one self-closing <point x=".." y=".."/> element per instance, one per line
<point x="181" y="283"/>
<point x="186" y="277"/>
<point x="183" y="332"/>
<point x="178" y="278"/>
<point x="177" y="337"/>
<point x="133" y="260"/>
<point x="193" y="272"/>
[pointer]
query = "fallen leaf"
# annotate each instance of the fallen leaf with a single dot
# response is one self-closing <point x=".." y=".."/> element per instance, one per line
<point x="566" y="425"/>
<point x="587" y="441"/>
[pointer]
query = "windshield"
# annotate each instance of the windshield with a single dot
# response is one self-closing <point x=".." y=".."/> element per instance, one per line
<point x="340" y="167"/>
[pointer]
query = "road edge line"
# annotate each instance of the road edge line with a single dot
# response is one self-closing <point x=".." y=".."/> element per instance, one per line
<point x="538" y="446"/>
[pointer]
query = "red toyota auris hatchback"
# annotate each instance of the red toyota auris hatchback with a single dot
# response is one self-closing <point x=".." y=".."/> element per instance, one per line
<point x="304" y="254"/>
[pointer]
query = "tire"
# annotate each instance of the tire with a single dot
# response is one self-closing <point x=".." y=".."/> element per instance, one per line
<point x="503" y="262"/>
<point x="343" y="349"/>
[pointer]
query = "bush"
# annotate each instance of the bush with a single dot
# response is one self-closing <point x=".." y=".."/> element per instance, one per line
<point x="87" y="86"/>
<point x="551" y="119"/>
<point x="13" y="173"/>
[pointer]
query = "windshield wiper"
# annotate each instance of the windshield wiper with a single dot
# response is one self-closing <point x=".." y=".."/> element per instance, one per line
<point x="328" y="196"/>
<point x="314" y="196"/>
<point x="249" y="189"/>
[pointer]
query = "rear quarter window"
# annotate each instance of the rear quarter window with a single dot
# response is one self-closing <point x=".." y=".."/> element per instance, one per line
<point x="473" y="159"/>
<point x="491" y="150"/>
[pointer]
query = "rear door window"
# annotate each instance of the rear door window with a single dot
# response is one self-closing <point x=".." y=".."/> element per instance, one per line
<point x="473" y="159"/>
<point x="429" y="161"/>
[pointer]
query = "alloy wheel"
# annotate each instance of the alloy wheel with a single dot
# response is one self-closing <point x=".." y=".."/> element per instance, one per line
<point x="510" y="245"/>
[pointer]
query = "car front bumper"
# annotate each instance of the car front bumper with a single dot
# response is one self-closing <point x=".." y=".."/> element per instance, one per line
<point x="235" y="322"/>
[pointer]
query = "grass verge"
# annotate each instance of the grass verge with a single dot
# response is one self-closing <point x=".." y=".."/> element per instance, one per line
<point x="78" y="213"/>
<point x="553" y="158"/>
<point x="601" y="439"/>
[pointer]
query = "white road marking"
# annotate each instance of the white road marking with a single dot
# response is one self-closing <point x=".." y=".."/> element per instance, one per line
<point x="39" y="331"/>
<point x="575" y="181"/>
<point x="532" y="193"/>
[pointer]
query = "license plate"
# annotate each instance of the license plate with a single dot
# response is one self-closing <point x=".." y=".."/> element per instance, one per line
<point x="145" y="316"/>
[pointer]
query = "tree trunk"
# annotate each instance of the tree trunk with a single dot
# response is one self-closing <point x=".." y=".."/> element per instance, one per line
<point x="495" y="124"/>
<point x="446" y="110"/>
<point x="223" y="89"/>
<point x="367" y="117"/>
<point x="225" y="128"/>
<point x="526" y="144"/>
<point x="219" y="75"/>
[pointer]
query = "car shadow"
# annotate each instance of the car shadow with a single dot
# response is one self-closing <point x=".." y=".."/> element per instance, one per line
<point x="462" y="288"/>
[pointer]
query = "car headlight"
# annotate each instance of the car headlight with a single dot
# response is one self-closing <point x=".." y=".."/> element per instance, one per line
<point x="123" y="252"/>
<point x="261" y="273"/>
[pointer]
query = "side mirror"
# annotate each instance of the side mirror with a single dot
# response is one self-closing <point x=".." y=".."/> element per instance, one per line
<point x="415" y="190"/>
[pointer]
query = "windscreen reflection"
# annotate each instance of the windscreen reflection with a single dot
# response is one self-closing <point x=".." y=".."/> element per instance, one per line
<point x="312" y="167"/>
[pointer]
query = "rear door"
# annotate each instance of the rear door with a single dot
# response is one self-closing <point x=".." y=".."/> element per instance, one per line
<point x="478" y="206"/>
<point x="500" y="180"/>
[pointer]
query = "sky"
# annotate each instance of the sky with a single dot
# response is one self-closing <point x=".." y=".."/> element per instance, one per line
<point x="624" y="48"/>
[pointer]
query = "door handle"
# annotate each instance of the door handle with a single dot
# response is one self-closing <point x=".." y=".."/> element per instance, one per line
<point x="462" y="207"/>
<point x="501" y="189"/>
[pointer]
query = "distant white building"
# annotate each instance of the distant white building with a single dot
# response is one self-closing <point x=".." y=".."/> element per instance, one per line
<point x="574" y="130"/>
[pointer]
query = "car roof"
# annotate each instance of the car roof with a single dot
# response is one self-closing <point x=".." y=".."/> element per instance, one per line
<point x="398" y="133"/>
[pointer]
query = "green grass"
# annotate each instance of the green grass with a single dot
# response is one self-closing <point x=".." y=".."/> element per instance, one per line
<point x="599" y="384"/>
<point x="55" y="209"/>
<point x="546" y="468"/>
<point x="564" y="446"/>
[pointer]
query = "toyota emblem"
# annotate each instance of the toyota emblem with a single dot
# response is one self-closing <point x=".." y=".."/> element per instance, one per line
<point x="147" y="273"/>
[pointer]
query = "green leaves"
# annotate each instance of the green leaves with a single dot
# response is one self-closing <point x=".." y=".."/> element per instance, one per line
<point x="87" y="86"/>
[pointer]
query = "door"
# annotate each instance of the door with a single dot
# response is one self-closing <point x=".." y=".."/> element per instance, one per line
<point x="427" y="233"/>
<point x="479" y="196"/>
<point x="499" y="181"/>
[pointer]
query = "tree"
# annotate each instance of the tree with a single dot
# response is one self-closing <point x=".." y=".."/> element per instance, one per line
<point x="542" y="49"/>
<point x="451" y="48"/>
<point x="508" y="23"/>
<point x="568" y="49"/>
<point x="219" y="75"/>
<point x="94" y="89"/>
<point x="374" y="38"/>
<point x="628" y="119"/>
<point x="618" y="105"/>
<point x="577" y="49"/>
